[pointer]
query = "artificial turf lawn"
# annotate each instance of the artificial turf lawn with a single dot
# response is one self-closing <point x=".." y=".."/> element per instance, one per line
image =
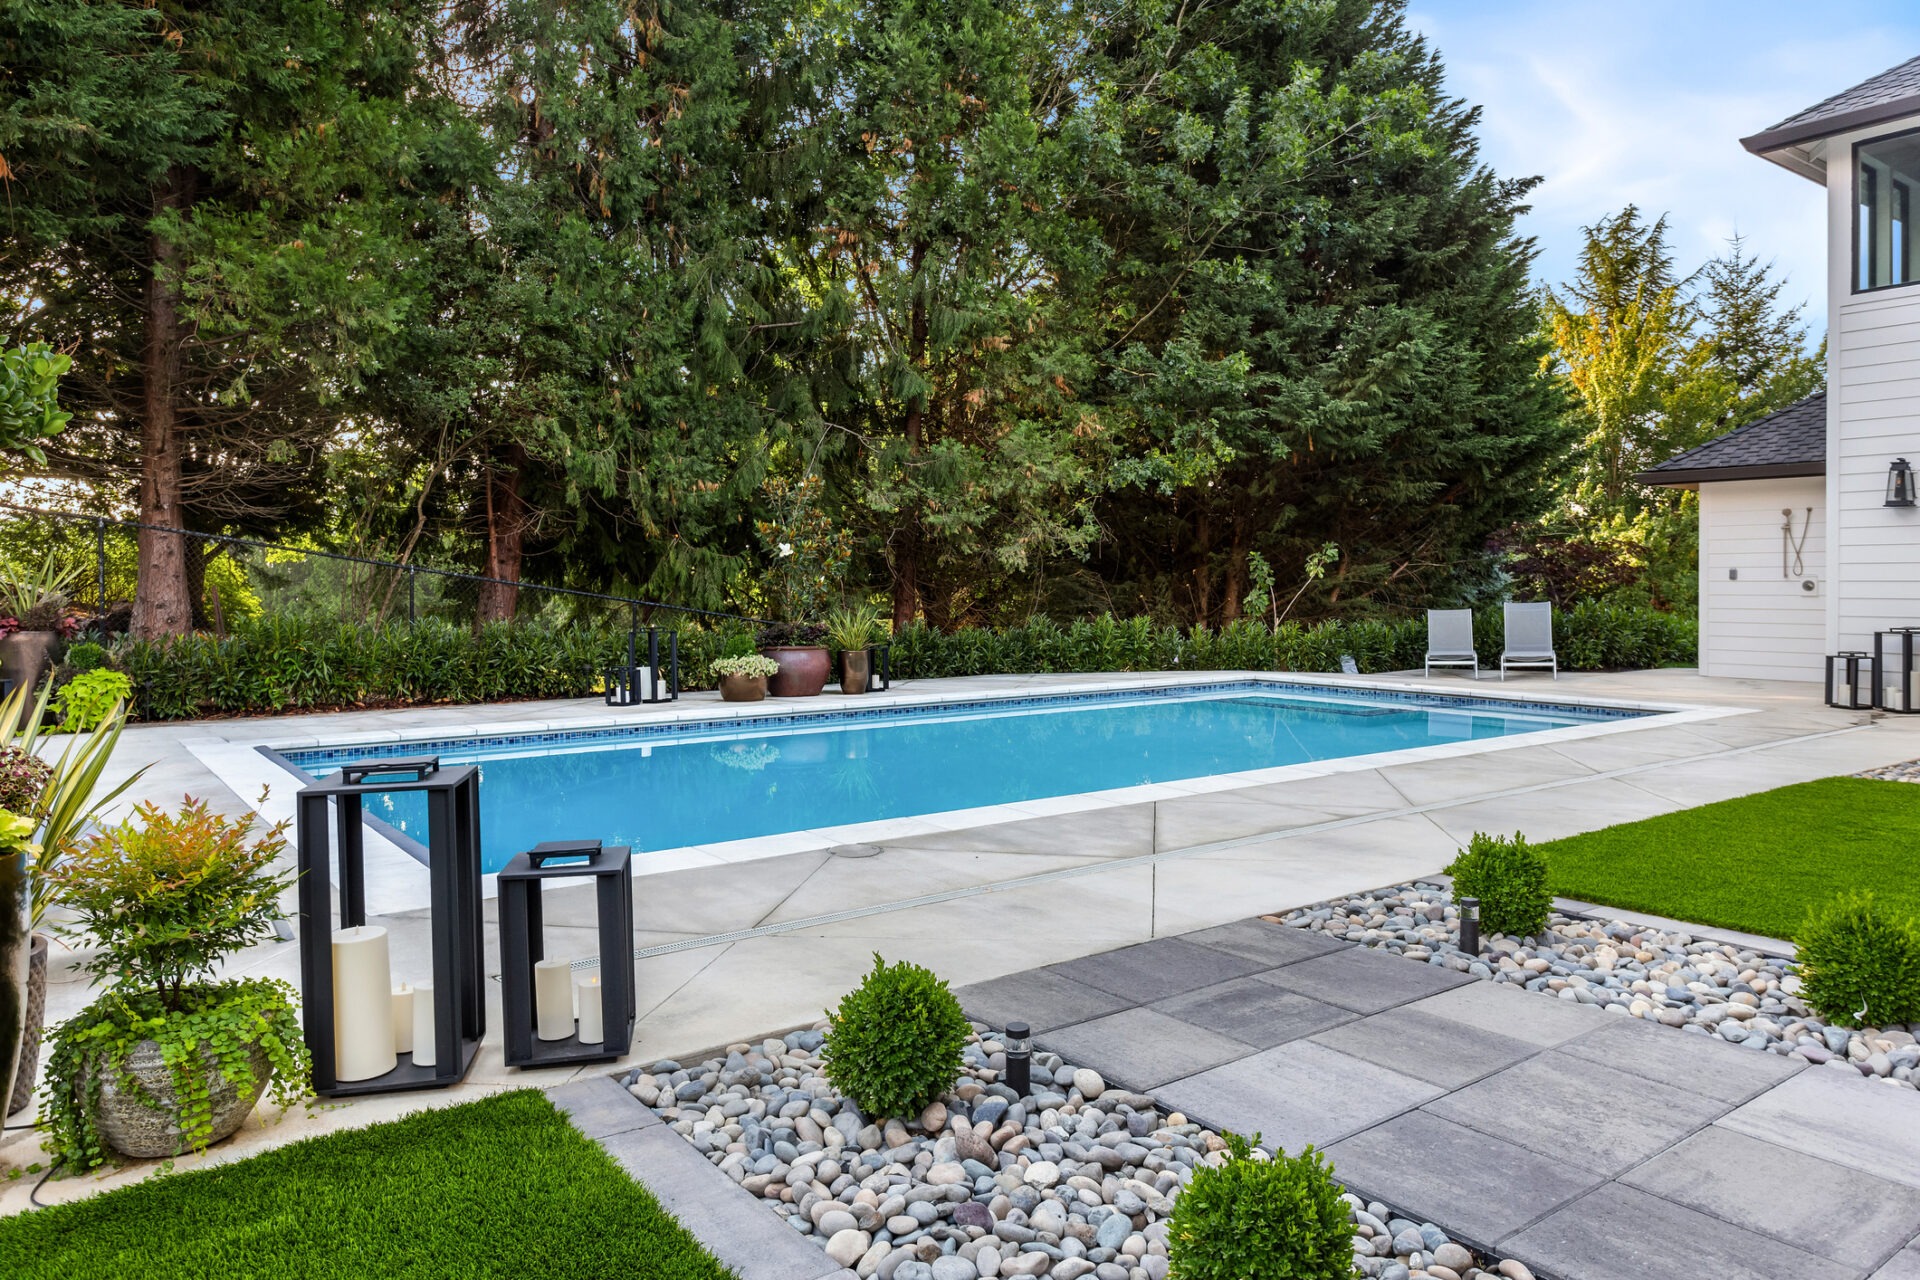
<point x="1756" y="863"/>
<point x="502" y="1187"/>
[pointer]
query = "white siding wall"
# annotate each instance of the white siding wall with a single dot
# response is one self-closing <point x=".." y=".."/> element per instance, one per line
<point x="1873" y="417"/>
<point x="1763" y="623"/>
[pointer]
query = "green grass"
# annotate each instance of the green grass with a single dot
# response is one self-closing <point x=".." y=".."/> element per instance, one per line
<point x="502" y="1187"/>
<point x="1756" y="863"/>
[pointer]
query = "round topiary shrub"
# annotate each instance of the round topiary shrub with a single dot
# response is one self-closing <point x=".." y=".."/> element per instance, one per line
<point x="1510" y="879"/>
<point x="1255" y="1218"/>
<point x="894" y="1043"/>
<point x="1859" y="963"/>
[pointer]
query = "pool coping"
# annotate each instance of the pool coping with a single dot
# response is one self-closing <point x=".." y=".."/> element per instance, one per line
<point x="397" y="879"/>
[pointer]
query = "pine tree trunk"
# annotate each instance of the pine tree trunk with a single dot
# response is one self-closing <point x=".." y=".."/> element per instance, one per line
<point x="506" y="538"/>
<point x="162" y="605"/>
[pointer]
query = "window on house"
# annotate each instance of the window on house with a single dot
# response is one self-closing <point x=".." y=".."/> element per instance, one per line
<point x="1886" y="184"/>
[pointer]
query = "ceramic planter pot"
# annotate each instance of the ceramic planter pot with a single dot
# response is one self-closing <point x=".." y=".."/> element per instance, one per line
<point x="855" y="667"/>
<point x="131" y="1127"/>
<point x="29" y="1063"/>
<point x="15" y="959"/>
<point x="803" y="670"/>
<point x="742" y="688"/>
<point x="26" y="657"/>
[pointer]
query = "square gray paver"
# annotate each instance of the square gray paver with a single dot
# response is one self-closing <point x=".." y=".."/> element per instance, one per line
<point x="1706" y="1065"/>
<point x="600" y="1106"/>
<point x="1269" y="943"/>
<point x="1482" y="1188"/>
<point x="1904" y="1265"/>
<point x="1839" y="1213"/>
<point x="1296" y="1094"/>
<point x="1839" y="1115"/>
<point x="1365" y="981"/>
<point x="1038" y="997"/>
<point x="1142" y="1049"/>
<point x="1510" y="1011"/>
<point x="1254" y="1012"/>
<point x="1149" y="971"/>
<point x="1427" y="1047"/>
<point x="1558" y="1104"/>
<point x="1618" y="1231"/>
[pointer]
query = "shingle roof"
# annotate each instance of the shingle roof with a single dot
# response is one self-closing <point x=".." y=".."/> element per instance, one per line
<point x="1893" y="93"/>
<point x="1787" y="442"/>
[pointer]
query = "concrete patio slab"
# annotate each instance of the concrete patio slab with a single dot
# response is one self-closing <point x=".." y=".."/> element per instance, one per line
<point x="1364" y="981"/>
<point x="1040" y="998"/>
<point x="1841" y="1214"/>
<point x="1837" y="1115"/>
<point x="1559" y="1102"/>
<point x="1501" y="1010"/>
<point x="1904" y="1265"/>
<point x="1297" y="1094"/>
<point x="1618" y="1232"/>
<point x="1253" y="1012"/>
<point x="1713" y="1068"/>
<point x="1497" y="1187"/>
<point x="599" y="1107"/>
<point x="1155" y="970"/>
<point x="1142" y="1049"/>
<point x="1261" y="942"/>
<point x="1427" y="1047"/>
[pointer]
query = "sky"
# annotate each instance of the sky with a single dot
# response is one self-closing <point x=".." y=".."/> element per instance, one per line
<point x="1632" y="101"/>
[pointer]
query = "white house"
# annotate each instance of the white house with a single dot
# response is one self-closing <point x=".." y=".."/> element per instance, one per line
<point x="1809" y="539"/>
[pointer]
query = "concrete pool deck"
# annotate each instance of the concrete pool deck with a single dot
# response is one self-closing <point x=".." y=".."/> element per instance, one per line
<point x="741" y="948"/>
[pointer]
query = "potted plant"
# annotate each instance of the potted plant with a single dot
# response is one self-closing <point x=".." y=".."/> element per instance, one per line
<point x="851" y="629"/>
<point x="800" y="656"/>
<point x="33" y="613"/>
<point x="168" y="1059"/>
<point x="59" y="797"/>
<point x="743" y="678"/>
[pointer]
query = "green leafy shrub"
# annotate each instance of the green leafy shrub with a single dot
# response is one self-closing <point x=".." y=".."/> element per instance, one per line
<point x="738" y="645"/>
<point x="86" y="655"/>
<point x="1255" y="1218"/>
<point x="85" y="701"/>
<point x="894" y="1043"/>
<point x="1860" y="963"/>
<point x="1510" y="879"/>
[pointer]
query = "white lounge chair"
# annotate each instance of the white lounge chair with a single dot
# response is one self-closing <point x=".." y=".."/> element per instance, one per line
<point x="1529" y="639"/>
<point x="1450" y="640"/>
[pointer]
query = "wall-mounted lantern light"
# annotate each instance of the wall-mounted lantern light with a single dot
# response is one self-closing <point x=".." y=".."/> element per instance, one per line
<point x="1899" y="483"/>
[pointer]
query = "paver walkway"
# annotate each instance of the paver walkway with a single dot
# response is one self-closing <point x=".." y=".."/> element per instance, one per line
<point x="1590" y="1146"/>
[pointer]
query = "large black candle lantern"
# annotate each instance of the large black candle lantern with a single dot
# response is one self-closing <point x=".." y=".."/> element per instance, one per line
<point x="655" y="680"/>
<point x="1893" y="683"/>
<point x="452" y="1015"/>
<point x="540" y="1036"/>
<point x="1850" y="680"/>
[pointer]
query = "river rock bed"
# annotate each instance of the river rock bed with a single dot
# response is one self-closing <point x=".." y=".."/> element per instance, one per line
<point x="1692" y="984"/>
<point x="1074" y="1182"/>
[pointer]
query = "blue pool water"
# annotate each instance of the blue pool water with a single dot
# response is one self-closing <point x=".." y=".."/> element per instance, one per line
<point x="663" y="786"/>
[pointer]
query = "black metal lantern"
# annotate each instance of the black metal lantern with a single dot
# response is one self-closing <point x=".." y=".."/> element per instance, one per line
<point x="608" y="1032"/>
<point x="1850" y="680"/>
<point x="452" y="1020"/>
<point x="1899" y="483"/>
<point x="652" y="681"/>
<point x="1894" y="686"/>
<point x="1019" y="1042"/>
<point x="1470" y="926"/>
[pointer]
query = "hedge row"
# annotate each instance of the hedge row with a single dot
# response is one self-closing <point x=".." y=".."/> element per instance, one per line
<point x="274" y="664"/>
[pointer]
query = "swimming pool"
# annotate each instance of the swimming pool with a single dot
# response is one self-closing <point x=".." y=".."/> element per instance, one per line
<point x="665" y="786"/>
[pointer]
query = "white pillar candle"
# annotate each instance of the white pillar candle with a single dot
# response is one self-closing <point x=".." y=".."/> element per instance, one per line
<point x="426" y="1042"/>
<point x="362" y="1004"/>
<point x="587" y="991"/>
<point x="643" y="683"/>
<point x="553" y="999"/>
<point x="402" y="1018"/>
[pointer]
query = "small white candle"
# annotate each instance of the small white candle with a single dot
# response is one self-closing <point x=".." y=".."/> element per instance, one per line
<point x="587" y="991"/>
<point x="553" y="999"/>
<point x="425" y="1041"/>
<point x="362" y="1004"/>
<point x="402" y="1018"/>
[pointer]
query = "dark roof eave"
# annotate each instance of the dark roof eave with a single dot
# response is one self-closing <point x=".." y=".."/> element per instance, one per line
<point x="1688" y="476"/>
<point x="1791" y="135"/>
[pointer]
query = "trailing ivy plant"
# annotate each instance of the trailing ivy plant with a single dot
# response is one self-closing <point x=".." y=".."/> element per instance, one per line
<point x="163" y="897"/>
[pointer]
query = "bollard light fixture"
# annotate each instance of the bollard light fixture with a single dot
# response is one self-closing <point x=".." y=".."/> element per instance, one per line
<point x="1019" y="1042"/>
<point x="1470" y="926"/>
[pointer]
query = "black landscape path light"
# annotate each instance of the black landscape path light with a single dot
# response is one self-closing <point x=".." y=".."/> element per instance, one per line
<point x="1019" y="1041"/>
<point x="1470" y="926"/>
<point x="534" y="1035"/>
<point x="456" y="1020"/>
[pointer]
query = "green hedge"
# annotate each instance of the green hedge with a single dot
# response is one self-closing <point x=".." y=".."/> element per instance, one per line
<point x="1589" y="637"/>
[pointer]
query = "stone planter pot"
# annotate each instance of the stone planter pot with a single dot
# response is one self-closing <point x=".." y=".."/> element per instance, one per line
<point x="16" y="963"/>
<point x="742" y="688"/>
<point x="803" y="670"/>
<point x="29" y="1063"/>
<point x="132" y="1128"/>
<point x="26" y="657"/>
<point x="855" y="667"/>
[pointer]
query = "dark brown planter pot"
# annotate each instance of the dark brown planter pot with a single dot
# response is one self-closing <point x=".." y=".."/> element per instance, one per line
<point x="742" y="688"/>
<point x="803" y="670"/>
<point x="29" y="1064"/>
<point x="26" y="656"/>
<point x="855" y="666"/>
